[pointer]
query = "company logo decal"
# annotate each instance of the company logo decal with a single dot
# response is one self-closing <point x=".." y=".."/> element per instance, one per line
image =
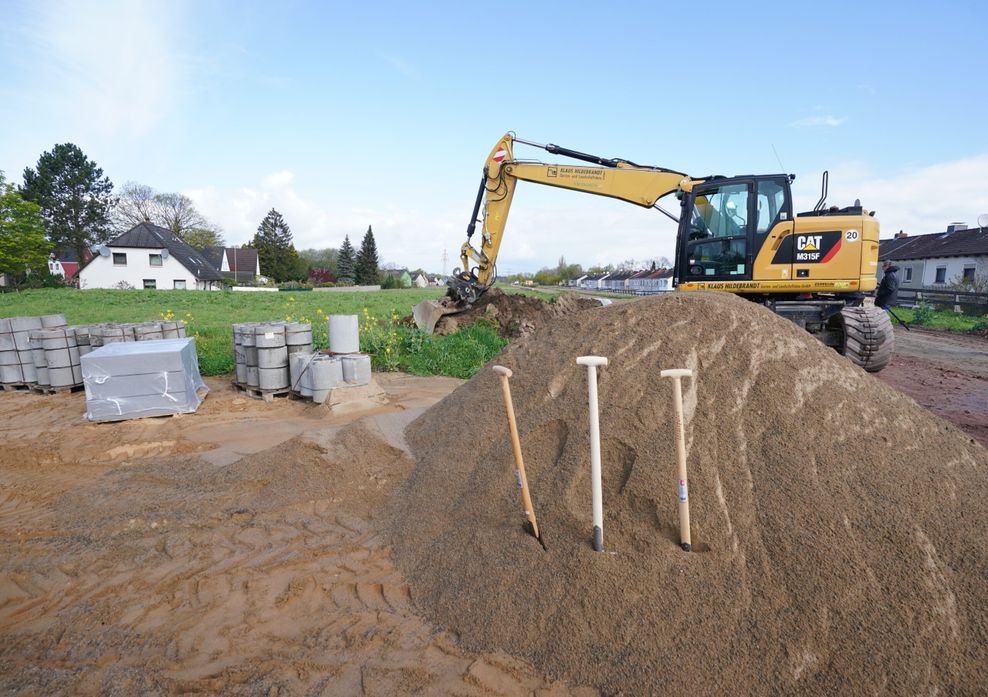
<point x="814" y="248"/>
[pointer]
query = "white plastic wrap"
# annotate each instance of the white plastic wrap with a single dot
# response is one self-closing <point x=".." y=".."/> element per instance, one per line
<point x="131" y="380"/>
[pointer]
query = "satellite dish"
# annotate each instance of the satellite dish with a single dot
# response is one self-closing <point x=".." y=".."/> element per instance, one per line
<point x="983" y="220"/>
<point x="94" y="248"/>
<point x="164" y="253"/>
<point x="103" y="250"/>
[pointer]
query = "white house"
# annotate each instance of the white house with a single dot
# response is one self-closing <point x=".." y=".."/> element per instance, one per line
<point x="940" y="259"/>
<point x="148" y="256"/>
<point x="651" y="281"/>
<point x="420" y="281"/>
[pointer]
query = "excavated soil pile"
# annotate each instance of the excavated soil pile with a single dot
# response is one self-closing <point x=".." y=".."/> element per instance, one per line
<point x="515" y="314"/>
<point x="839" y="528"/>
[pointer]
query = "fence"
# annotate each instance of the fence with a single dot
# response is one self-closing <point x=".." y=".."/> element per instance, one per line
<point x="964" y="302"/>
<point x="958" y="301"/>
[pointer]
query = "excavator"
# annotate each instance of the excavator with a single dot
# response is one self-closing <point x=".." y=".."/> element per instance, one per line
<point x="736" y="234"/>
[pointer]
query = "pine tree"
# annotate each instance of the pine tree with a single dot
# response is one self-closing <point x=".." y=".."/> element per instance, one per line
<point x="275" y="250"/>
<point x="346" y="264"/>
<point x="74" y="196"/>
<point x="367" y="263"/>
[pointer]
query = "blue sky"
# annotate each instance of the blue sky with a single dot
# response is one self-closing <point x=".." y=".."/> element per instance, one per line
<point x="344" y="115"/>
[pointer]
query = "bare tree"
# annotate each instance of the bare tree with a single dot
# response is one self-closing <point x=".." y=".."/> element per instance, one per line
<point x="135" y="205"/>
<point x="140" y="203"/>
<point x="178" y="213"/>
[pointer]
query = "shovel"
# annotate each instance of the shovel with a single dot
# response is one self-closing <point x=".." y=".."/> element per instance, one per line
<point x="526" y="499"/>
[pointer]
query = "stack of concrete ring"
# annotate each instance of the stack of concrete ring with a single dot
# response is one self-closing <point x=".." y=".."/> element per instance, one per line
<point x="278" y="358"/>
<point x="261" y="351"/>
<point x="43" y="354"/>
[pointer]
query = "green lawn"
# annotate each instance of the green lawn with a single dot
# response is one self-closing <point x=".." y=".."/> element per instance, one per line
<point x="209" y="316"/>
<point x="939" y="319"/>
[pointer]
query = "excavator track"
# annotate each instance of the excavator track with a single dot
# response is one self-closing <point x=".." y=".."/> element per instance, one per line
<point x="868" y="337"/>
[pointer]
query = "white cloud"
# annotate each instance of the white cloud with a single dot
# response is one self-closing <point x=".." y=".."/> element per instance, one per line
<point x="279" y="180"/>
<point x="919" y="200"/>
<point x="403" y="236"/>
<point x="112" y="64"/>
<point x="824" y="120"/>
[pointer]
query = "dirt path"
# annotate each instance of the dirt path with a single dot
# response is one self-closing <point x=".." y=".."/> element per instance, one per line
<point x="226" y="552"/>
<point x="947" y="373"/>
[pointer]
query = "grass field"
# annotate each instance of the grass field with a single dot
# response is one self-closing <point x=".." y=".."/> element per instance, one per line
<point x="940" y="319"/>
<point x="209" y="316"/>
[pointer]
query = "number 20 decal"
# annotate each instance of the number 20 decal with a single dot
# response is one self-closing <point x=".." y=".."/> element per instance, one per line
<point x="851" y="235"/>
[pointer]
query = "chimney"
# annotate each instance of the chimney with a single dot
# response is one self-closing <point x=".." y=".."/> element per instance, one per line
<point x="955" y="227"/>
<point x="900" y="234"/>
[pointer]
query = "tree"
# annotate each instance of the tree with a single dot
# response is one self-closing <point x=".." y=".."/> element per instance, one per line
<point x="346" y="264"/>
<point x="547" y="277"/>
<point x="322" y="260"/>
<point x="566" y="271"/>
<point x="134" y="206"/>
<point x="367" y="263"/>
<point x="273" y="242"/>
<point x="203" y="238"/>
<point x="140" y="203"/>
<point x="23" y="246"/>
<point x="74" y="196"/>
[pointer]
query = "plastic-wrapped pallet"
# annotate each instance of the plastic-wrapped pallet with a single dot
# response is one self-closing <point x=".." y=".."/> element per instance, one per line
<point x="131" y="380"/>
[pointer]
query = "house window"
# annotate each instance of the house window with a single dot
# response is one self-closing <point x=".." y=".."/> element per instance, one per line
<point x="150" y="283"/>
<point x="941" y="274"/>
<point x="968" y="274"/>
<point x="909" y="274"/>
<point x="155" y="259"/>
<point x="119" y="259"/>
<point x="179" y="285"/>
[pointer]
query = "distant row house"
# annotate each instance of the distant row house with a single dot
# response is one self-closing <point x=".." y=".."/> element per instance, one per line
<point x="635" y="282"/>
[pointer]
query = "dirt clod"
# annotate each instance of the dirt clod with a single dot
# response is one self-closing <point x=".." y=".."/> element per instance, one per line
<point x="838" y="527"/>
<point x="515" y="314"/>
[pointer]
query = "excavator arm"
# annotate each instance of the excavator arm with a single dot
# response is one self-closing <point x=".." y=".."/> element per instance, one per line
<point x="613" y="178"/>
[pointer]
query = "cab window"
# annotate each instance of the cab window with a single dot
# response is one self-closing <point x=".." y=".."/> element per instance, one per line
<point x="720" y="212"/>
<point x="717" y="241"/>
<point x="771" y="204"/>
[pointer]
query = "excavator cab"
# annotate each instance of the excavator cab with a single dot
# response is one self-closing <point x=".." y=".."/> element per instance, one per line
<point x="726" y="222"/>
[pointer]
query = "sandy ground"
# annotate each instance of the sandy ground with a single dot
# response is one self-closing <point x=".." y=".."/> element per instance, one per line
<point x="233" y="551"/>
<point x="945" y="372"/>
<point x="226" y="552"/>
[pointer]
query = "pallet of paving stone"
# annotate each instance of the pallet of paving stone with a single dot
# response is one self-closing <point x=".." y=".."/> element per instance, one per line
<point x="136" y="379"/>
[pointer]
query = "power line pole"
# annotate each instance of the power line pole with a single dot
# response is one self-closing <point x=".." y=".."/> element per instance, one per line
<point x="445" y="258"/>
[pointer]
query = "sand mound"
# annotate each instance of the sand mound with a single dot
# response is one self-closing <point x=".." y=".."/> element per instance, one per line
<point x="515" y="314"/>
<point x="839" y="527"/>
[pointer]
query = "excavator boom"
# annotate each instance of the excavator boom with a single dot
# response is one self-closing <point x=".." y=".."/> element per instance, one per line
<point x="614" y="178"/>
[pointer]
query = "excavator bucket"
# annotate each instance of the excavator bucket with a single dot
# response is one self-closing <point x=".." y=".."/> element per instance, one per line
<point x="428" y="312"/>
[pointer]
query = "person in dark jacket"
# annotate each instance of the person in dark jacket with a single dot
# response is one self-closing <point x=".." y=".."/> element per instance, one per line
<point x="887" y="294"/>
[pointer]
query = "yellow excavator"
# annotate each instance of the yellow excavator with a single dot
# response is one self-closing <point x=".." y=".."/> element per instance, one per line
<point x="736" y="234"/>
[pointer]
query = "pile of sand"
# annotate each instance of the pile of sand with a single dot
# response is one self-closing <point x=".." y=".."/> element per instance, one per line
<point x="515" y="314"/>
<point x="839" y="528"/>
